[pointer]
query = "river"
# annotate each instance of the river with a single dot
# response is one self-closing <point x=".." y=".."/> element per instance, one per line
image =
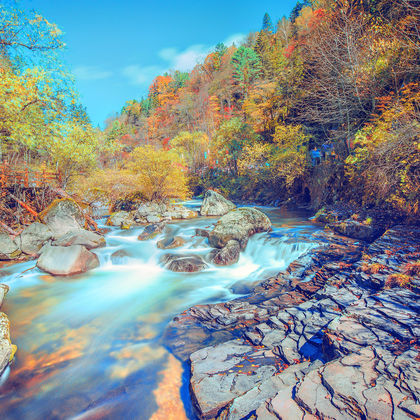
<point x="90" y="346"/>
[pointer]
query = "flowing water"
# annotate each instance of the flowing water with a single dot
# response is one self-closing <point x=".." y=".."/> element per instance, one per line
<point x="89" y="346"/>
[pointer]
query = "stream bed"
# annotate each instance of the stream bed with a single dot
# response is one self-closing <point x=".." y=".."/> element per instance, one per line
<point x="90" y="346"/>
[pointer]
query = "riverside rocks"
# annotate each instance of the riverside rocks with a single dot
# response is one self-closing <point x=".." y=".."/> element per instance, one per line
<point x="214" y="204"/>
<point x="66" y="260"/>
<point x="33" y="238"/>
<point x="89" y="240"/>
<point x="238" y="225"/>
<point x="121" y="219"/>
<point x="62" y="216"/>
<point x="317" y="341"/>
<point x="153" y="212"/>
<point x="150" y="213"/>
<point x="9" y="250"/>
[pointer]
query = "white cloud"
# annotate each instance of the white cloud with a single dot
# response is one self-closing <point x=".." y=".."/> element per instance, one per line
<point x="168" y="54"/>
<point x="236" y="39"/>
<point x="138" y="75"/>
<point x="91" y="73"/>
<point x="184" y="60"/>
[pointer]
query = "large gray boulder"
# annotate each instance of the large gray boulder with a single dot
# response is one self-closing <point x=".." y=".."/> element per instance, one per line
<point x="33" y="237"/>
<point x="238" y="225"/>
<point x="62" y="216"/>
<point x="214" y="204"/>
<point x="184" y="263"/>
<point x="89" y="240"/>
<point x="9" y="250"/>
<point x="7" y="349"/>
<point x="66" y="260"/>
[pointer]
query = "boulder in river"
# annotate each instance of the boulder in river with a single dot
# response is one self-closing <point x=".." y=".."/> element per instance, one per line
<point x="88" y="239"/>
<point x="150" y="231"/>
<point x="9" y="250"/>
<point x="66" y="260"/>
<point x="214" y="204"/>
<point x="7" y="349"/>
<point x="184" y="263"/>
<point x="121" y="219"/>
<point x="62" y="216"/>
<point x="228" y="255"/>
<point x="171" y="242"/>
<point x="33" y="238"/>
<point x="238" y="225"/>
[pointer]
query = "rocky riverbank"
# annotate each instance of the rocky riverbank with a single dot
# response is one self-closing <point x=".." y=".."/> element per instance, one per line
<point x="334" y="336"/>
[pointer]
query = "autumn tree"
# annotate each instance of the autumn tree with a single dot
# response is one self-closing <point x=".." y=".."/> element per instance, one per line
<point x="231" y="138"/>
<point x="192" y="147"/>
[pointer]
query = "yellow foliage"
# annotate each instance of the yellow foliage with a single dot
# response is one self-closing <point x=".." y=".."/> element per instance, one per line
<point x="152" y="174"/>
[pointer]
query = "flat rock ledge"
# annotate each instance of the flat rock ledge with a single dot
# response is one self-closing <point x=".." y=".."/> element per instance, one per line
<point x="332" y="337"/>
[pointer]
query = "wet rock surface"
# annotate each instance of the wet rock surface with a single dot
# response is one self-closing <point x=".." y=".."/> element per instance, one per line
<point x="150" y="231"/>
<point x="171" y="242"/>
<point x="330" y="337"/>
<point x="228" y="255"/>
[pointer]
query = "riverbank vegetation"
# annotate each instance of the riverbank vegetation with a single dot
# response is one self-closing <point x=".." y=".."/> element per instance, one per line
<point x="319" y="107"/>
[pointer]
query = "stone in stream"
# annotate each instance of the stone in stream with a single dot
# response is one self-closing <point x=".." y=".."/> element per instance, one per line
<point x="184" y="263"/>
<point x="228" y="255"/>
<point x="86" y="238"/>
<point x="9" y="250"/>
<point x="171" y="243"/>
<point x="214" y="204"/>
<point x="238" y="225"/>
<point x="66" y="260"/>
<point x="150" y="231"/>
<point x="120" y="257"/>
<point x="121" y="219"/>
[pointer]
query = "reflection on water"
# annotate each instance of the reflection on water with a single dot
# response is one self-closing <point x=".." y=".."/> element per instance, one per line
<point x="89" y="345"/>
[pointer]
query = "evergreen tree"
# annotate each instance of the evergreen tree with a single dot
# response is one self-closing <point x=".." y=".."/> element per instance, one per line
<point x="267" y="25"/>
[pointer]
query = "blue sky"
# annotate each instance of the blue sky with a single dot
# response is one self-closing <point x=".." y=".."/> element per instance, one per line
<point x="116" y="48"/>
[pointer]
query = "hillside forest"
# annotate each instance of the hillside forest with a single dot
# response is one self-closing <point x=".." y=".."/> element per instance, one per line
<point x="320" y="107"/>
